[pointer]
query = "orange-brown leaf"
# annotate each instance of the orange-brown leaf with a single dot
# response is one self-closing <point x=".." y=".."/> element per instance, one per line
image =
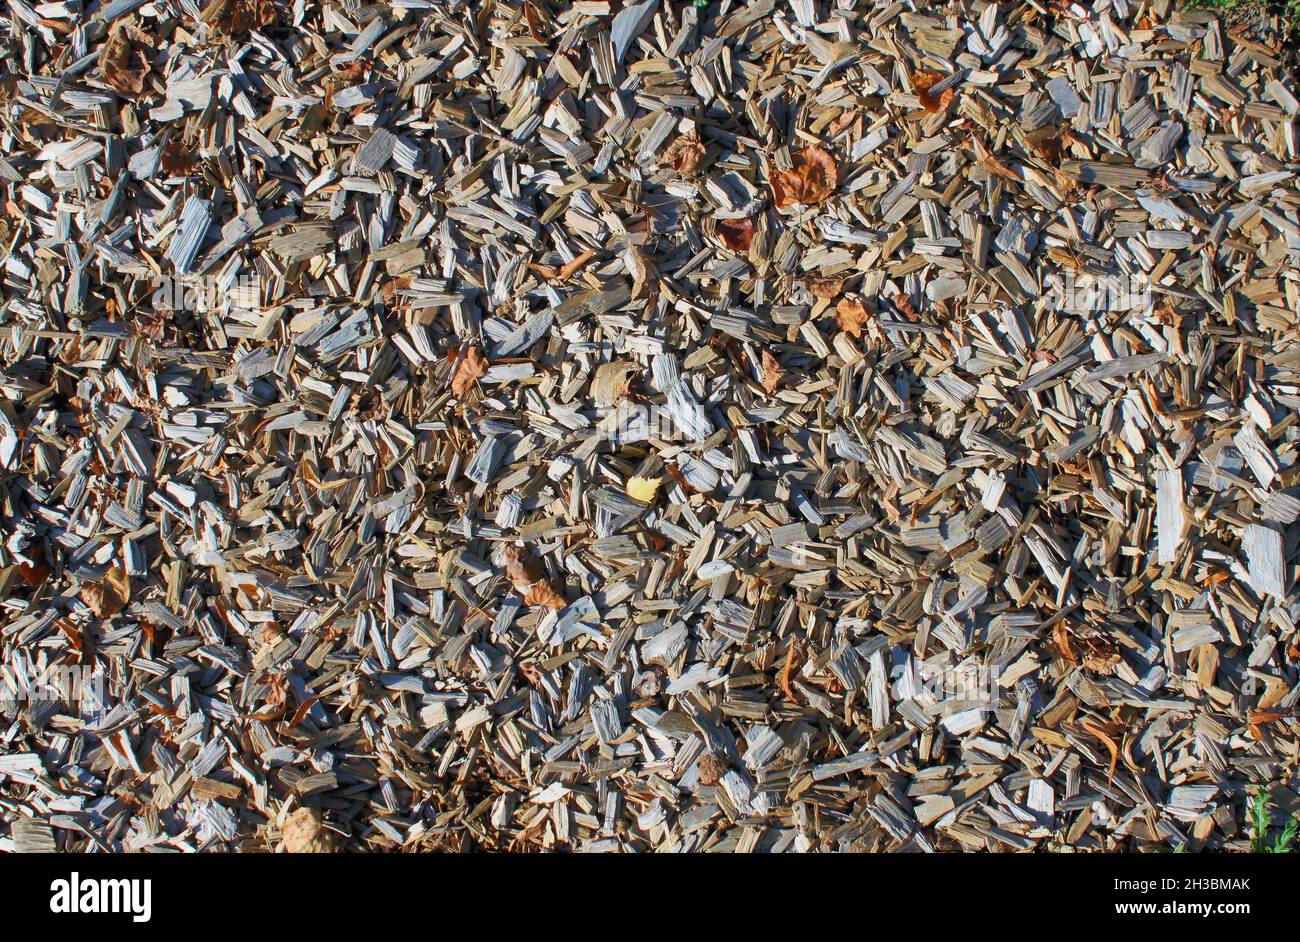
<point x="124" y="59"/>
<point x="528" y="576"/>
<point x="772" y="372"/>
<point x="825" y="288"/>
<point x="1259" y="719"/>
<point x="301" y="713"/>
<point x="644" y="275"/>
<point x="931" y="102"/>
<point x="680" y="480"/>
<point x="736" y="234"/>
<point x="904" y="304"/>
<point x="35" y="574"/>
<point x="535" y="27"/>
<point x="522" y="568"/>
<point x="684" y="154"/>
<point x="109" y="596"/>
<point x="850" y="315"/>
<point x="811" y="179"/>
<point x="473" y="365"/>
<point x="565" y="271"/>
<point x="1051" y="146"/>
<point x="993" y="165"/>
<point x="239" y="16"/>
<point x="176" y="159"/>
<point x="1104" y="733"/>
<point x="1062" y="638"/>
<point x="783" y="676"/>
<point x="545" y="593"/>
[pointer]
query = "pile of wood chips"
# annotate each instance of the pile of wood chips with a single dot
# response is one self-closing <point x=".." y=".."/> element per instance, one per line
<point x="808" y="425"/>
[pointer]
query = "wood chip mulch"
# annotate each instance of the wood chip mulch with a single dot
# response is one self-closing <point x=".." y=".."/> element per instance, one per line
<point x="646" y="426"/>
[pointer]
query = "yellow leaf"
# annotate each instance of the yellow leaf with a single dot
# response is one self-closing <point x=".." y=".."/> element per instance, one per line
<point x="643" y="489"/>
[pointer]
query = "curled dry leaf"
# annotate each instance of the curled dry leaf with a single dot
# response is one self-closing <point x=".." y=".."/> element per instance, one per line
<point x="109" y="596"/>
<point x="992" y="164"/>
<point x="1104" y="733"/>
<point x="736" y="234"/>
<point x="523" y="568"/>
<point x="612" y="382"/>
<point x="545" y="593"/>
<point x="565" y="271"/>
<point x="471" y="367"/>
<point x="680" y="480"/>
<point x="536" y="28"/>
<point x="772" y="372"/>
<point x="176" y="159"/>
<point x="124" y="59"/>
<point x="811" y="179"/>
<point x="34" y="574"/>
<point x="713" y="765"/>
<point x="904" y="304"/>
<point x="528" y="576"/>
<point x="356" y="69"/>
<point x="923" y="82"/>
<point x="825" y="288"/>
<point x="304" y="832"/>
<point x="851" y="315"/>
<point x="239" y="16"/>
<point x="1062" y="638"/>
<point x="684" y="154"/>
<point x="1050" y="144"/>
<point x="644" y="276"/>
<point x="1259" y="719"/>
<point x="783" y="676"/>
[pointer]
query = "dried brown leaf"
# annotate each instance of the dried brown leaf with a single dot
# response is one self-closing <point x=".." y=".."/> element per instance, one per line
<point x="536" y="28"/>
<point x="904" y="304"/>
<point x="239" y="16"/>
<point x="523" y="568"/>
<point x="811" y="179"/>
<point x="34" y="575"/>
<point x="825" y="288"/>
<point x="109" y="596"/>
<point x="528" y="576"/>
<point x="713" y="765"/>
<point x="1050" y="144"/>
<point x="931" y="102"/>
<point x="783" y="676"/>
<point x="736" y="234"/>
<point x="851" y="315"/>
<point x="124" y="59"/>
<point x="471" y="367"/>
<point x="644" y="275"/>
<point x="1104" y="732"/>
<point x="684" y="154"/>
<point x="545" y="593"/>
<point x="176" y="159"/>
<point x="772" y="372"/>
<point x="992" y="164"/>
